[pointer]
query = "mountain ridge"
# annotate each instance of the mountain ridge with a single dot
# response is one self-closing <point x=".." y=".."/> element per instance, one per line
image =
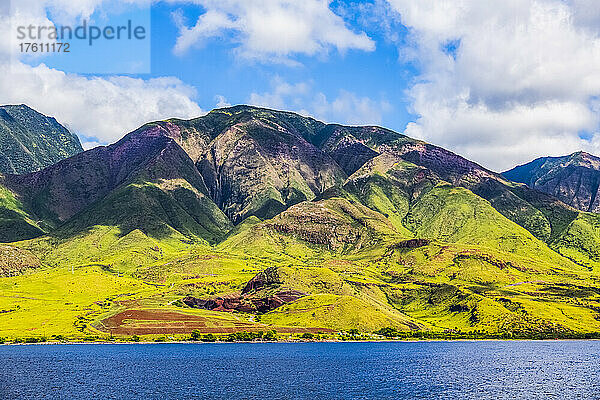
<point x="574" y="178"/>
<point x="30" y="141"/>
<point x="222" y="159"/>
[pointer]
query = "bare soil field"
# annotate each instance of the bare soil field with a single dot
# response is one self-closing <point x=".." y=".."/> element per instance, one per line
<point x="148" y="322"/>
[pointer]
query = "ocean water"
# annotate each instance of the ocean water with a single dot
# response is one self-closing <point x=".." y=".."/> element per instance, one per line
<point x="392" y="370"/>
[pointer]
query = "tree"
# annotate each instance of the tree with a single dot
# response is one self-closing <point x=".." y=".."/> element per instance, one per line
<point x="196" y="334"/>
<point x="390" y="331"/>
<point x="270" y="335"/>
<point x="209" y="338"/>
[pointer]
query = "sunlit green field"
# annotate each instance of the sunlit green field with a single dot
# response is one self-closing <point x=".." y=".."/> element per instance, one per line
<point x="437" y="287"/>
<point x="474" y="271"/>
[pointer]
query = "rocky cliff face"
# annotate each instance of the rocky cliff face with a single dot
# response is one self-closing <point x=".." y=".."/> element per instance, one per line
<point x="255" y="161"/>
<point x="30" y="141"/>
<point x="261" y="294"/>
<point x="574" y="179"/>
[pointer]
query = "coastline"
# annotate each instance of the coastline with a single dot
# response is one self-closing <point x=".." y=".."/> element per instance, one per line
<point x="69" y="343"/>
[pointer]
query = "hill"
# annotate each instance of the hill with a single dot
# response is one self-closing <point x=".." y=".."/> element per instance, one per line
<point x="30" y="141"/>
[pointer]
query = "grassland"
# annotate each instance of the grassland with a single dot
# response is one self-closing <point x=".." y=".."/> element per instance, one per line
<point x="472" y="272"/>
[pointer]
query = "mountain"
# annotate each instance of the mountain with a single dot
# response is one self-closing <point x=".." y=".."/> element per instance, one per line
<point x="144" y="181"/>
<point x="292" y="224"/>
<point x="574" y="179"/>
<point x="242" y="162"/>
<point x="30" y="141"/>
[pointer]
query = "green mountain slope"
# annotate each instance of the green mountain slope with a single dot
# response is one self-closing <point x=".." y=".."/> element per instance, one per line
<point x="30" y="141"/>
<point x="313" y="231"/>
<point x="255" y="219"/>
<point x="15" y="222"/>
<point x="580" y="241"/>
<point x="255" y="163"/>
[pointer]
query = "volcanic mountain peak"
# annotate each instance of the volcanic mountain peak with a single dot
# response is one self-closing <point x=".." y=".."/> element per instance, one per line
<point x="574" y="179"/>
<point x="584" y="159"/>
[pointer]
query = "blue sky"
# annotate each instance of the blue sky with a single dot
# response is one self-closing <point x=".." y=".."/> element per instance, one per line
<point x="214" y="70"/>
<point x="500" y="83"/>
<point x="219" y="75"/>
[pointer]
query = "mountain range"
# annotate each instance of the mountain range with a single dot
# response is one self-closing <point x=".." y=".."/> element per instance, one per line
<point x="250" y="218"/>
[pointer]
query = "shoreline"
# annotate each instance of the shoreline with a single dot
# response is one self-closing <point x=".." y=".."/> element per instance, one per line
<point x="295" y="342"/>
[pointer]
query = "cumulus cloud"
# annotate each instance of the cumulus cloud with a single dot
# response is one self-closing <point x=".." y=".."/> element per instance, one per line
<point x="272" y="30"/>
<point x="346" y="108"/>
<point x="222" y="101"/>
<point x="503" y="82"/>
<point x="94" y="107"/>
<point x="99" y="109"/>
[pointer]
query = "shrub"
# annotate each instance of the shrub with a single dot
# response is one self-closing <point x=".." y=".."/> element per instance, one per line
<point x="307" y="335"/>
<point x="209" y="338"/>
<point x="249" y="336"/>
<point x="231" y="337"/>
<point x="270" y="335"/>
<point x="135" y="338"/>
<point x="390" y="331"/>
<point x="196" y="334"/>
<point x="178" y="303"/>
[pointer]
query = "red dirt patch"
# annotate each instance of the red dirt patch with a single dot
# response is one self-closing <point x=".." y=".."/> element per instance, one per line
<point x="147" y="322"/>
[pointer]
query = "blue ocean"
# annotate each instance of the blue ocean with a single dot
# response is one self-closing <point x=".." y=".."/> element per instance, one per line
<point x="390" y="370"/>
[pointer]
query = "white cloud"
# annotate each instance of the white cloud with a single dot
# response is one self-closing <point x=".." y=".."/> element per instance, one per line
<point x="283" y="95"/>
<point x="346" y="108"/>
<point x="211" y="24"/>
<point x="272" y="30"/>
<point x="68" y="11"/>
<point x="101" y="108"/>
<point x="518" y="86"/>
<point x="349" y="108"/>
<point x="222" y="101"/>
<point x="90" y="144"/>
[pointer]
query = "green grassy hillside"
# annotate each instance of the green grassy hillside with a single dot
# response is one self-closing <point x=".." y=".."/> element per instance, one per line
<point x="580" y="241"/>
<point x="30" y="141"/>
<point x="15" y="222"/>
<point x="257" y="220"/>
